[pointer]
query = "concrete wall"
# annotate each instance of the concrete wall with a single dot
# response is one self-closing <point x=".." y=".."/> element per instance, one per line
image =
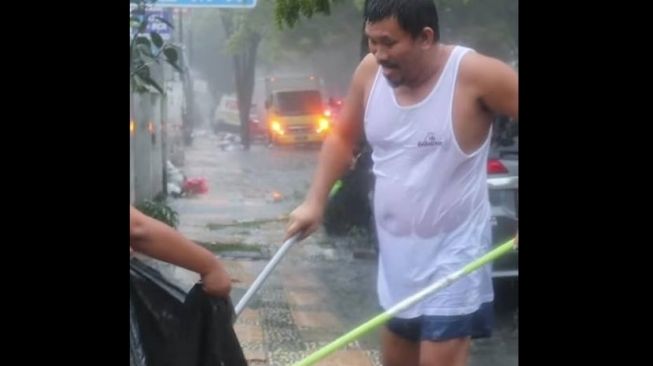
<point x="146" y="153"/>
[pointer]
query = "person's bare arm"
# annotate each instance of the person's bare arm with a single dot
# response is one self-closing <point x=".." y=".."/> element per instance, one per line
<point x="336" y="154"/>
<point x="497" y="85"/>
<point x="158" y="240"/>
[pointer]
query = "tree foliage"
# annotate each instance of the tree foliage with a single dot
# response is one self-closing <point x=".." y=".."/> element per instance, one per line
<point x="147" y="49"/>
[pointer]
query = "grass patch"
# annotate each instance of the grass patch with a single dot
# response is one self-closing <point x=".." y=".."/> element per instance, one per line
<point x="218" y="247"/>
<point x="244" y="224"/>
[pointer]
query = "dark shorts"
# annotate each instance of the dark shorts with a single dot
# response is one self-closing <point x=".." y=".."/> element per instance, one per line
<point x="478" y="324"/>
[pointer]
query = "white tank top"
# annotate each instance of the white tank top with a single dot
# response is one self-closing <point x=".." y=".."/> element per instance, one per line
<point x="431" y="201"/>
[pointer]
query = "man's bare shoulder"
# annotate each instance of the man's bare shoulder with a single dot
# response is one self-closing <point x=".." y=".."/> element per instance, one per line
<point x="478" y="68"/>
<point x="493" y="82"/>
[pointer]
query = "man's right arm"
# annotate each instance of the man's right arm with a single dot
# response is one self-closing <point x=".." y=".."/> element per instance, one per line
<point x="336" y="154"/>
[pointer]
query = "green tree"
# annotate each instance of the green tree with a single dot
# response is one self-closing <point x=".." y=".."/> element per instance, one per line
<point x="244" y="30"/>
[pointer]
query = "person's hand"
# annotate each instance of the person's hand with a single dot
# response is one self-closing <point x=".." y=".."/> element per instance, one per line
<point x="217" y="282"/>
<point x="515" y="244"/>
<point x="305" y="219"/>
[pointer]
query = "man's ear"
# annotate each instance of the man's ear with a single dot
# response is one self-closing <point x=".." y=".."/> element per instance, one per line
<point x="427" y="37"/>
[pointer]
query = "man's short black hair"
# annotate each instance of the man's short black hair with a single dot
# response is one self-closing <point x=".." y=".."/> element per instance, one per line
<point x="412" y="15"/>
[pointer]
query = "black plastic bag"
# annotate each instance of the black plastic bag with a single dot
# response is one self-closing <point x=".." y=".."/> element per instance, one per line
<point x="171" y="328"/>
<point x="350" y="207"/>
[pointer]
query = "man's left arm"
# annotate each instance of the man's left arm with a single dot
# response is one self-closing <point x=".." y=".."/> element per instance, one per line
<point x="498" y="87"/>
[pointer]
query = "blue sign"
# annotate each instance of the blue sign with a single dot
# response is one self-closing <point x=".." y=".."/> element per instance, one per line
<point x="206" y="3"/>
<point x="155" y="25"/>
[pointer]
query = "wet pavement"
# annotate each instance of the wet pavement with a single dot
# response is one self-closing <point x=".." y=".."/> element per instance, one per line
<point x="319" y="291"/>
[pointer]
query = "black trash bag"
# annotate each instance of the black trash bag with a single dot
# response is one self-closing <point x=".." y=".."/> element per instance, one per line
<point x="350" y="207"/>
<point x="171" y="328"/>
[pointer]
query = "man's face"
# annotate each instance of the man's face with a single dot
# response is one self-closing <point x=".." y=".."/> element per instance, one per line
<point x="394" y="48"/>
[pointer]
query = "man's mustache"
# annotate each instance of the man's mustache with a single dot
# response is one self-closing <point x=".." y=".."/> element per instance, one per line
<point x="388" y="65"/>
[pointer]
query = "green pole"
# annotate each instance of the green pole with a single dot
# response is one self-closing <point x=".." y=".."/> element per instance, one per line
<point x="386" y="315"/>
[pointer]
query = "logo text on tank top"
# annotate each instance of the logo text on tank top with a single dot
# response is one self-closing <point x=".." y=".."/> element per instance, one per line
<point x="430" y="140"/>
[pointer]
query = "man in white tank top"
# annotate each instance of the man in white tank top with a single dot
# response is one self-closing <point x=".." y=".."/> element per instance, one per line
<point x="427" y="110"/>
